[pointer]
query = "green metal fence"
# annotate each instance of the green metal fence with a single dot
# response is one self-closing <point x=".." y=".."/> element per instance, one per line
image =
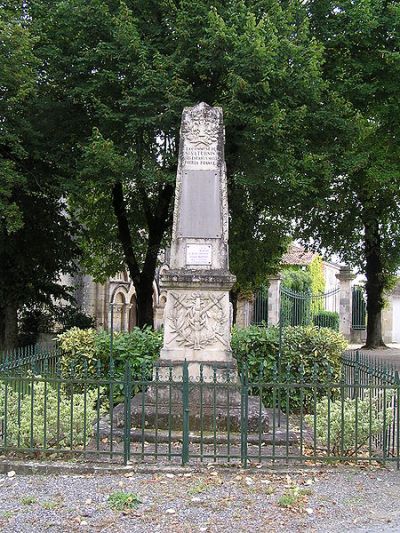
<point x="359" y="308"/>
<point x="33" y="356"/>
<point x="242" y="419"/>
<point x="260" y="307"/>
<point x="305" y="308"/>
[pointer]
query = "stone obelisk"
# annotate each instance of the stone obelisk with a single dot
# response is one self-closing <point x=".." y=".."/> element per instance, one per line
<point x="197" y="317"/>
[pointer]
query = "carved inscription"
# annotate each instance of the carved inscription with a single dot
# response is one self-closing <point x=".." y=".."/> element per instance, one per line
<point x="197" y="319"/>
<point x="200" y="158"/>
<point x="198" y="254"/>
<point x="200" y="131"/>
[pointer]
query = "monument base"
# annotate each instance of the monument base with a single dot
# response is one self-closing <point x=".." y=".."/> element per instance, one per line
<point x="211" y="399"/>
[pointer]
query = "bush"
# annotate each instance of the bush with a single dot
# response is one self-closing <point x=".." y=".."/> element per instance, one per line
<point x="89" y="350"/>
<point x="326" y="319"/>
<point x="58" y="428"/>
<point x="367" y="418"/>
<point x="257" y="347"/>
<point x="80" y="351"/>
<point x="305" y="349"/>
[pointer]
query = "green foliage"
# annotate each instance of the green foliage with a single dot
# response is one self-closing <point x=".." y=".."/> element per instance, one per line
<point x="349" y="425"/>
<point x="326" y="319"/>
<point x="317" y="283"/>
<point x="17" y="74"/>
<point x="354" y="209"/>
<point x="126" y="70"/>
<point x="73" y="317"/>
<point x="87" y="352"/>
<point x="257" y="348"/>
<point x="35" y="235"/>
<point x="123" y="501"/>
<point x="80" y="351"/>
<point x="308" y="354"/>
<point x="297" y="279"/>
<point x="49" y="429"/>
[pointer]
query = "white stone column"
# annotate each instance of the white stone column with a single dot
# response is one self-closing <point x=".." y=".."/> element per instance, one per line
<point x="345" y="277"/>
<point x="387" y="320"/>
<point x="274" y="299"/>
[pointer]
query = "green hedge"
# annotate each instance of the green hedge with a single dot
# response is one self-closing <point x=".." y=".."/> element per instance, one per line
<point x="306" y="350"/>
<point x="326" y="319"/>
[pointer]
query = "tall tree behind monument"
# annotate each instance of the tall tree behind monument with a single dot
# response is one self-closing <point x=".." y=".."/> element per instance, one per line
<point x="126" y="70"/>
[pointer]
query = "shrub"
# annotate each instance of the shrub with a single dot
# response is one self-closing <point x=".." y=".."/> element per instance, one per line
<point x="256" y="347"/>
<point x="304" y="350"/>
<point x="326" y="319"/>
<point x="80" y="347"/>
<point x="87" y="351"/>
<point x="51" y="425"/>
<point x="363" y="415"/>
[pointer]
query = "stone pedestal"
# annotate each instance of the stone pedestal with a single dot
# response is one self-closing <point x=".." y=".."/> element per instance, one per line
<point x="274" y="300"/>
<point x="345" y="278"/>
<point x="197" y="312"/>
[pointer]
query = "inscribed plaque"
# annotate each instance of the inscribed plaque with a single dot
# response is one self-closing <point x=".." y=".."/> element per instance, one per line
<point x="198" y="254"/>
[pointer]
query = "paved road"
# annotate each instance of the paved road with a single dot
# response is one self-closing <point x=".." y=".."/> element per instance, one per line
<point x="390" y="355"/>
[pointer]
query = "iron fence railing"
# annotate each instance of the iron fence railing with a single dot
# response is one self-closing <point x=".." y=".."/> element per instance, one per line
<point x="359" y="308"/>
<point x="34" y="356"/>
<point x="107" y="415"/>
<point x="305" y="308"/>
<point x="260" y="307"/>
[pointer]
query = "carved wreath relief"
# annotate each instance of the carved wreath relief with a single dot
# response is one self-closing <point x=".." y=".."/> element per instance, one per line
<point x="201" y="131"/>
<point x="197" y="319"/>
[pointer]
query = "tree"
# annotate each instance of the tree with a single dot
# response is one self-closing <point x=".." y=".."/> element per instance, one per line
<point x="355" y="211"/>
<point x="35" y="235"/>
<point x="117" y="74"/>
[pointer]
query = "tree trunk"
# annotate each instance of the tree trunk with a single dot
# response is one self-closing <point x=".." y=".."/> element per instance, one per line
<point x="8" y="327"/>
<point x="374" y="285"/>
<point x="233" y="296"/>
<point x="144" y="298"/>
<point x="158" y="223"/>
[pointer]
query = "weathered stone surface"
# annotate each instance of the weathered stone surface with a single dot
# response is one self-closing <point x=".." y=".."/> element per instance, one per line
<point x="162" y="408"/>
<point x="197" y="311"/>
<point x="197" y="314"/>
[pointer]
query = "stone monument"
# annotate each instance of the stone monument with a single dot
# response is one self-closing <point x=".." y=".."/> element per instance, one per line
<point x="197" y="317"/>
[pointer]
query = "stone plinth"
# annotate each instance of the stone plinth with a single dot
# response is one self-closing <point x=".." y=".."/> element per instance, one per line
<point x="345" y="278"/>
<point x="274" y="300"/>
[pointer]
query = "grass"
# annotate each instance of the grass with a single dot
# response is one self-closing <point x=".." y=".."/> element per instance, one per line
<point x="49" y="505"/>
<point x="198" y="488"/>
<point x="123" y="501"/>
<point x="28" y="500"/>
<point x="294" y="496"/>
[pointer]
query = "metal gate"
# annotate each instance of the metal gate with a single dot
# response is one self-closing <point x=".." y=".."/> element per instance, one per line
<point x="305" y="308"/>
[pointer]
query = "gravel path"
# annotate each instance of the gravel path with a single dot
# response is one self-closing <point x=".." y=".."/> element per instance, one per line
<point x="213" y="500"/>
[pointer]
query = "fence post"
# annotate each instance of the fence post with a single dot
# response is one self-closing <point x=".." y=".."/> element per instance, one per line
<point x="185" y="403"/>
<point x="345" y="277"/>
<point x="127" y="414"/>
<point x="244" y="416"/>
<point x="396" y="418"/>
<point x="274" y="300"/>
